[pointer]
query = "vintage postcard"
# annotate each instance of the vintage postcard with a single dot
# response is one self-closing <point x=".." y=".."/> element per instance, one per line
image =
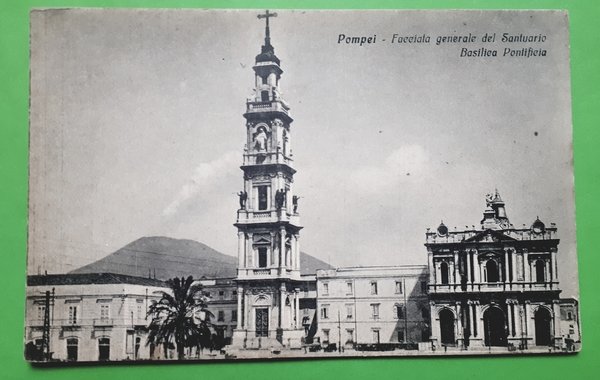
<point x="210" y="185"/>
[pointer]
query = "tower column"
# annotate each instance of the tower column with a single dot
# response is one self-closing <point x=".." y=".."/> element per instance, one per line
<point x="506" y="277"/>
<point x="274" y="247"/>
<point x="513" y="260"/>
<point x="297" y="308"/>
<point x="282" y="262"/>
<point x="296" y="252"/>
<point x="281" y="303"/>
<point x="240" y="295"/>
<point x="553" y="266"/>
<point x="469" y="263"/>
<point x="476" y="267"/>
<point x="241" y="250"/>
<point x="526" y="269"/>
<point x="509" y="317"/>
<point x="456" y="272"/>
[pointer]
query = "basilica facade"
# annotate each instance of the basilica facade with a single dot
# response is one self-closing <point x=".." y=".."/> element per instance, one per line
<point x="497" y="285"/>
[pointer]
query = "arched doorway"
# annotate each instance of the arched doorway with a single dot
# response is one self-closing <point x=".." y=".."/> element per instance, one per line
<point x="494" y="324"/>
<point x="444" y="273"/>
<point x="492" y="272"/>
<point x="543" y="325"/>
<point x="447" y="327"/>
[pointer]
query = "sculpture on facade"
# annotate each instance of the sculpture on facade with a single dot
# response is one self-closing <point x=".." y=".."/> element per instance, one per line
<point x="243" y="198"/>
<point x="280" y="198"/>
<point x="260" y="139"/>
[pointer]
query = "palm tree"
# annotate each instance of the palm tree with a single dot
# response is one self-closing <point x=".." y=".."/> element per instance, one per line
<point x="181" y="318"/>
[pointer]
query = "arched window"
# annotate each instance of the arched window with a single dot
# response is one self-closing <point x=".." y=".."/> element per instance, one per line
<point x="540" y="271"/>
<point x="103" y="349"/>
<point x="447" y="327"/>
<point x="543" y="325"/>
<point x="444" y="272"/>
<point x="264" y="96"/>
<point x="491" y="269"/>
<point x="72" y="345"/>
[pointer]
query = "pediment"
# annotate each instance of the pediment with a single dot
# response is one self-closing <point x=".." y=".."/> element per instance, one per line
<point x="262" y="239"/>
<point x="489" y="236"/>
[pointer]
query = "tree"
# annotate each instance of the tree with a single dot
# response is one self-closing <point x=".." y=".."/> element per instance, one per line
<point x="180" y="318"/>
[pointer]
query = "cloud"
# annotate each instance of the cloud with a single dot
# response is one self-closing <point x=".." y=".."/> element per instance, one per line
<point x="204" y="177"/>
<point x="406" y="163"/>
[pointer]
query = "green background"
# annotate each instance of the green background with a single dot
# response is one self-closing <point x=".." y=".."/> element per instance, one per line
<point x="584" y="16"/>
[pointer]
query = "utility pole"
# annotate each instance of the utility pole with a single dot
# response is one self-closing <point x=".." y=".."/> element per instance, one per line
<point x="49" y="301"/>
<point x="339" y="332"/>
<point x="405" y="311"/>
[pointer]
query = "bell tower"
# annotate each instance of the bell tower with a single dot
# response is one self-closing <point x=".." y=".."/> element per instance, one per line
<point x="268" y="225"/>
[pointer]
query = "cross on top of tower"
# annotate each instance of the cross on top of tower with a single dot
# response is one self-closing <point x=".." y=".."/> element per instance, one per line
<point x="266" y="16"/>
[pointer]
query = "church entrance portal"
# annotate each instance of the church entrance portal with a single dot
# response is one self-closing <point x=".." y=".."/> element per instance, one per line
<point x="494" y="323"/>
<point x="542" y="327"/>
<point x="447" y="327"/>
<point x="262" y="322"/>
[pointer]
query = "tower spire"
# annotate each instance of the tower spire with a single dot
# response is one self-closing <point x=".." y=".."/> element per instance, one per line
<point x="266" y="16"/>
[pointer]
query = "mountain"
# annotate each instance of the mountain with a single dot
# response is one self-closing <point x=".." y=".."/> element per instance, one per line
<point x="165" y="258"/>
<point x="309" y="264"/>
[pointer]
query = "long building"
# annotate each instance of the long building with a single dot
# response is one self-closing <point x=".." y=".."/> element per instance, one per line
<point x="363" y="306"/>
<point x="90" y="317"/>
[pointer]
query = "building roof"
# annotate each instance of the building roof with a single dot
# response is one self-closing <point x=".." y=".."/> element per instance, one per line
<point x="91" y="278"/>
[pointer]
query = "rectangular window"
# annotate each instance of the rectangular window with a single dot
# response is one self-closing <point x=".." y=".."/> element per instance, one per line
<point x="349" y="288"/>
<point x="234" y="293"/>
<point x="221" y="316"/>
<point x="263" y="197"/>
<point x="221" y="294"/>
<point x="104" y="312"/>
<point x="41" y="310"/>
<point x="423" y="287"/>
<point x="399" y="311"/>
<point x="72" y="315"/>
<point x="349" y="311"/>
<point x="400" y="335"/>
<point x="129" y="342"/>
<point x="140" y="310"/>
<point x="569" y="316"/>
<point x="325" y="335"/>
<point x="262" y="257"/>
<point x="398" y="287"/>
<point x="325" y="312"/>
<point x="234" y="316"/>
<point x="373" y="287"/>
<point x="375" y="310"/>
<point x="349" y="336"/>
<point x="376" y="336"/>
<point x="325" y="288"/>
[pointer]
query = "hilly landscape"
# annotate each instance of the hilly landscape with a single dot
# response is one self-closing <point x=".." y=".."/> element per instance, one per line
<point x="164" y="258"/>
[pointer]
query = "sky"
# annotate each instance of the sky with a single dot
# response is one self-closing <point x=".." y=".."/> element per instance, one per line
<point x="137" y="129"/>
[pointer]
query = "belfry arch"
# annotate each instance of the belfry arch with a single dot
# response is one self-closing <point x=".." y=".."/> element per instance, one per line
<point x="447" y="327"/>
<point x="494" y="326"/>
<point x="543" y="327"/>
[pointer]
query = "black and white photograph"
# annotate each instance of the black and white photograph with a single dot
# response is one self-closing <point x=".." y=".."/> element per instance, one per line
<point x="264" y="184"/>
